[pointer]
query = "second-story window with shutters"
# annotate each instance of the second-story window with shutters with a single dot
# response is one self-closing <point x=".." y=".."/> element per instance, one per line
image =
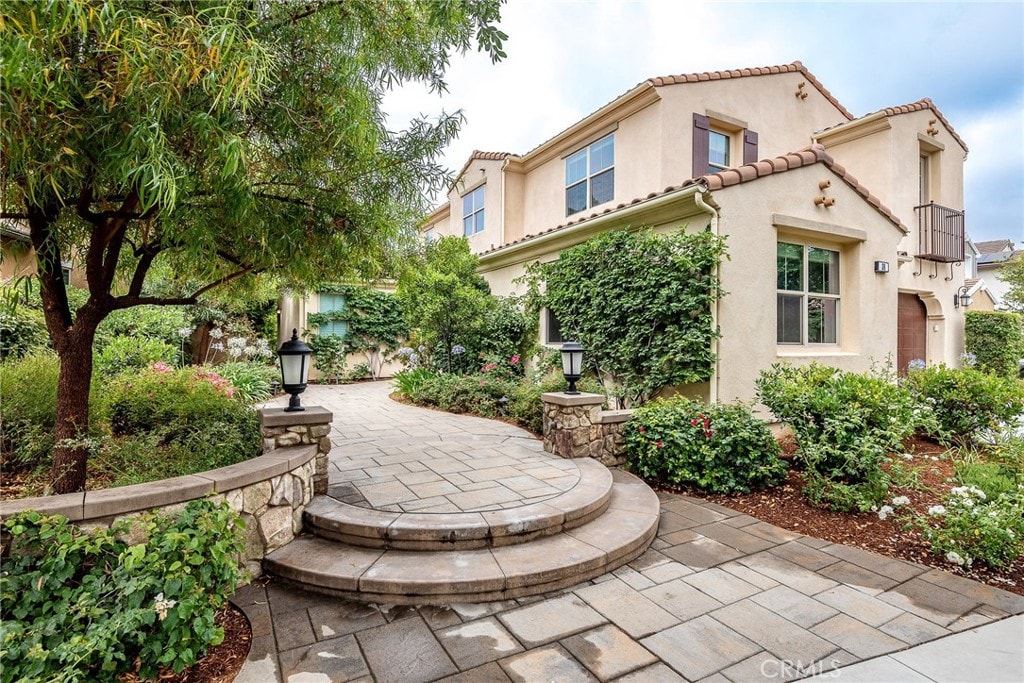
<point x="719" y="145"/>
<point x="473" y="212"/>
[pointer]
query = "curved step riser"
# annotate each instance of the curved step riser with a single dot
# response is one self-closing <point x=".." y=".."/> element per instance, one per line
<point x="368" y="528"/>
<point x="623" y="532"/>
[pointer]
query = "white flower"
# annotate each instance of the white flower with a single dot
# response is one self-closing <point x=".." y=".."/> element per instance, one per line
<point x="217" y="346"/>
<point x="967" y="502"/>
<point x="936" y="510"/>
<point x="907" y="456"/>
<point x="161" y="606"/>
<point x="900" y="500"/>
<point x="884" y="512"/>
<point x="955" y="558"/>
<point x="993" y="514"/>
<point x="216" y="333"/>
<point x="184" y="332"/>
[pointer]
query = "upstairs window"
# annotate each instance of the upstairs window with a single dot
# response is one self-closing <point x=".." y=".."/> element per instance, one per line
<point x="590" y="176"/>
<point x="473" y="212"/>
<point x="553" y="328"/>
<point x="718" y="151"/>
<point x="716" y="145"/>
<point x="808" y="294"/>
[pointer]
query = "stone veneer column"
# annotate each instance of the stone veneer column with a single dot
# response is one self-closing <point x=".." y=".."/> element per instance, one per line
<point x="310" y="426"/>
<point x="572" y="422"/>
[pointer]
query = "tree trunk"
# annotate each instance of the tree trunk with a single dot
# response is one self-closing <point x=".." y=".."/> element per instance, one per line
<point x="70" y="451"/>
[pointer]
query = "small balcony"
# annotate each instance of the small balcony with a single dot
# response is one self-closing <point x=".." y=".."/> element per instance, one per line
<point x="940" y="233"/>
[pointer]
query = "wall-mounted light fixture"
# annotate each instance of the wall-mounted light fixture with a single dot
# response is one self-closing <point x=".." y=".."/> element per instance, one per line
<point x="962" y="298"/>
<point x="881" y="266"/>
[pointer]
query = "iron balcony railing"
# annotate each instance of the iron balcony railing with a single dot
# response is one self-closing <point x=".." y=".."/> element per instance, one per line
<point x="940" y="233"/>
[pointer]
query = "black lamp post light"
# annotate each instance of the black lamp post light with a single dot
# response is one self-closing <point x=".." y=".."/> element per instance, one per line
<point x="294" y="355"/>
<point x="572" y="364"/>
<point x="962" y="298"/>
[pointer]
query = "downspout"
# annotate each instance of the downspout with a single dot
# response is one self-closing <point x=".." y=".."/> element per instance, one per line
<point x="504" y="165"/>
<point x="698" y="199"/>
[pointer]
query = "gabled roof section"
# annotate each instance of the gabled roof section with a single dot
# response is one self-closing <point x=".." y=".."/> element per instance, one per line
<point x="795" y="67"/>
<point x="735" y="176"/>
<point x="920" y="105"/>
<point x="994" y="246"/>
<point x="477" y="155"/>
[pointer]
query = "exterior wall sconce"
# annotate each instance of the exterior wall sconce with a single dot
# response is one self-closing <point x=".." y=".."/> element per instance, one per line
<point x="294" y="356"/>
<point x="881" y="266"/>
<point x="572" y="364"/>
<point x="962" y="298"/>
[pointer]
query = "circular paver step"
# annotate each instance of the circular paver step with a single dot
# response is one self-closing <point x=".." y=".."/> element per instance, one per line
<point x="335" y="520"/>
<point x="620" y="534"/>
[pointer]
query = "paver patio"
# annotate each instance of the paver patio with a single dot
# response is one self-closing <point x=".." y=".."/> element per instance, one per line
<point x="719" y="596"/>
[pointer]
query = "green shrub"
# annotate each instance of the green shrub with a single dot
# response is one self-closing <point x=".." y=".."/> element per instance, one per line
<point x="409" y="381"/>
<point x="22" y="332"/>
<point x="844" y="423"/>
<point x="28" y="409"/>
<point x="971" y="526"/>
<point x="189" y="408"/>
<point x="252" y="381"/>
<point x="160" y="323"/>
<point x="476" y="394"/>
<point x="719" y="448"/>
<point x="123" y="354"/>
<point x="329" y="356"/>
<point x="965" y="401"/>
<point x="997" y="341"/>
<point x="85" y="605"/>
<point x="991" y="477"/>
<point x="840" y="496"/>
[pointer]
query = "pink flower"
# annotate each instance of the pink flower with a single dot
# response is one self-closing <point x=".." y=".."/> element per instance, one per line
<point x="160" y="367"/>
<point x="489" y="366"/>
<point x="661" y="444"/>
<point x="513" y="359"/>
<point x="641" y="430"/>
<point x="483" y="382"/>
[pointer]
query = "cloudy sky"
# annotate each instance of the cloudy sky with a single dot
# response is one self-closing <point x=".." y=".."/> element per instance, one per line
<point x="567" y="58"/>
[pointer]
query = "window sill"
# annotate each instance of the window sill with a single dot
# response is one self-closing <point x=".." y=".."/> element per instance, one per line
<point x="806" y="352"/>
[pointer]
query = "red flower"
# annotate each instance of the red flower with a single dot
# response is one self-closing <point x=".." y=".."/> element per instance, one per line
<point x="641" y="430"/>
<point x="513" y="360"/>
<point x="661" y="444"/>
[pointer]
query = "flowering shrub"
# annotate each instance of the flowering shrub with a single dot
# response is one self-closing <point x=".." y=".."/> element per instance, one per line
<point x="124" y="354"/>
<point x="971" y="526"/>
<point x="87" y="605"/>
<point x="719" y="448"/>
<point x="965" y="402"/>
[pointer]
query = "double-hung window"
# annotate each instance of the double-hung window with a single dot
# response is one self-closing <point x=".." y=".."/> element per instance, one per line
<point x="718" y="151"/>
<point x="590" y="176"/>
<point x="332" y="302"/>
<point x="808" y="294"/>
<point x="473" y="212"/>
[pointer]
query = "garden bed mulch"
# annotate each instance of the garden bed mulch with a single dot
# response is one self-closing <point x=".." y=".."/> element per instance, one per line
<point x="785" y="506"/>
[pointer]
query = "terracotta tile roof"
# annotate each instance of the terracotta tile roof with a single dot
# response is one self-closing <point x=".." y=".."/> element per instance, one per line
<point x="734" y="176"/>
<point x="478" y="155"/>
<point x="920" y="105"/>
<point x="795" y="67"/>
<point x="993" y="246"/>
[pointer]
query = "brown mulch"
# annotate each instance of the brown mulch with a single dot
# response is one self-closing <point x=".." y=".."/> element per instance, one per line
<point x="785" y="506"/>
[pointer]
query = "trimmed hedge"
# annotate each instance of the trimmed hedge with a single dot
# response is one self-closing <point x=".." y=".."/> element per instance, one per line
<point x="996" y="339"/>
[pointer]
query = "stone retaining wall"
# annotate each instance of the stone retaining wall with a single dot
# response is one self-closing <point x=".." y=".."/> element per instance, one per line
<point x="576" y="427"/>
<point x="269" y="491"/>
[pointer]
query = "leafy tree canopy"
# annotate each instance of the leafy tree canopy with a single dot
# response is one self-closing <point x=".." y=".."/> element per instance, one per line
<point x="1013" y="275"/>
<point x="221" y="137"/>
<point x="641" y="305"/>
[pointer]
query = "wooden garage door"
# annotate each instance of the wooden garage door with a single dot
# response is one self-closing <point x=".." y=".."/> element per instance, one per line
<point x="912" y="330"/>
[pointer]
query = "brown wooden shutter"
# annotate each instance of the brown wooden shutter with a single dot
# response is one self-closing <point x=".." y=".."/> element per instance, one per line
<point x="700" y="145"/>
<point x="749" y="147"/>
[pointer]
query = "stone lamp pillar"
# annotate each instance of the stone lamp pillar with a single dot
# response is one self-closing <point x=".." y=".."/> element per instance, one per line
<point x="282" y="428"/>
<point x="572" y="422"/>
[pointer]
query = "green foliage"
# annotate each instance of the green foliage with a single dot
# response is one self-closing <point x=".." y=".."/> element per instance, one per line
<point x="990" y="477"/>
<point x="159" y="323"/>
<point x="122" y="354"/>
<point x="87" y="605"/>
<point x="191" y="409"/>
<point x="997" y="341"/>
<point x="840" y="496"/>
<point x="445" y="299"/>
<point x="718" y="448"/>
<point x="506" y="331"/>
<point x="22" y="332"/>
<point x="328" y="355"/>
<point x="1013" y="275"/>
<point x="640" y="303"/>
<point x="965" y="402"/>
<point x="845" y="423"/>
<point x="28" y="388"/>
<point x="971" y="526"/>
<point x="375" y="323"/>
<point x="409" y="381"/>
<point x="252" y="381"/>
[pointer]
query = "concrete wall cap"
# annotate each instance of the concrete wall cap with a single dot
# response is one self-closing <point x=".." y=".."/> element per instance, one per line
<point x="563" y="399"/>
<point x="277" y="417"/>
<point x="71" y="505"/>
<point x="613" y="416"/>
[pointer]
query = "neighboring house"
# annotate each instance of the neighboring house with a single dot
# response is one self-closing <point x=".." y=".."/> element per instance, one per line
<point x="844" y="233"/>
<point x="992" y="256"/>
<point x="18" y="258"/>
<point x="982" y="298"/>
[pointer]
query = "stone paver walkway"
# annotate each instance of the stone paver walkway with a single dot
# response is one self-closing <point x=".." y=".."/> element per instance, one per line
<point x="719" y="596"/>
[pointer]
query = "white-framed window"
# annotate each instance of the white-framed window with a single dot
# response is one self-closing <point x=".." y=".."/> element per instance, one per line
<point x="331" y="302"/>
<point x="473" y="212"/>
<point x="590" y="176"/>
<point x="808" y="294"/>
<point x="719" y="157"/>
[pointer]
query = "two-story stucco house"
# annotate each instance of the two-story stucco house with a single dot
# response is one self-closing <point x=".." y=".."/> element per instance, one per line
<point x="846" y="235"/>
